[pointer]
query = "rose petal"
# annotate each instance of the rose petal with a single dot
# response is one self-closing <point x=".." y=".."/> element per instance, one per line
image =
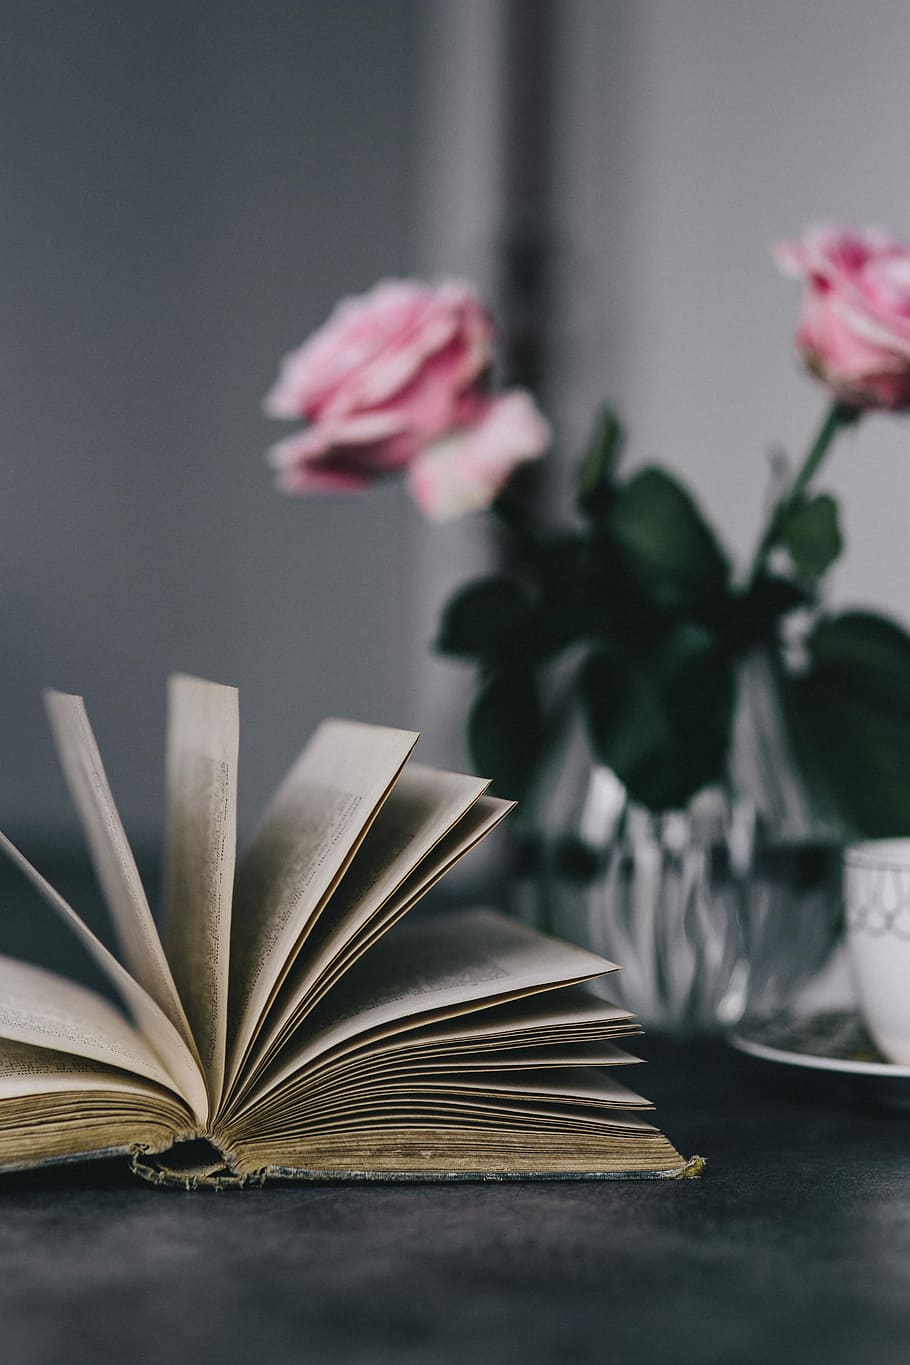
<point x="854" y="330"/>
<point x="373" y="345"/>
<point x="466" y="471"/>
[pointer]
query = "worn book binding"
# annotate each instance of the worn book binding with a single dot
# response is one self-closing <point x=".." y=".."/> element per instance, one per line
<point x="285" y="1023"/>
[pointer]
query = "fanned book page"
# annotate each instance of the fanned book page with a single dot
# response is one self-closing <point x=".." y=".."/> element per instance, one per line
<point x="291" y="1020"/>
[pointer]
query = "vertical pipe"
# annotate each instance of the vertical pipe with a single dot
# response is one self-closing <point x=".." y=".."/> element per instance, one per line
<point x="525" y="250"/>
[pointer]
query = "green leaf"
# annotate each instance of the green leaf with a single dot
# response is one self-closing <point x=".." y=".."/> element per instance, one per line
<point x="483" y="618"/>
<point x="809" y="531"/>
<point x="699" y="686"/>
<point x="752" y="616"/>
<point x="666" y="542"/>
<point x="663" y="723"/>
<point x="850" y="718"/>
<point x="627" y="722"/>
<point x="599" y="462"/>
<point x="505" y="731"/>
<point x="575" y="860"/>
<point x="558" y="562"/>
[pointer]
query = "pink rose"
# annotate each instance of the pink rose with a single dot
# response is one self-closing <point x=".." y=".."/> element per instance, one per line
<point x="388" y="373"/>
<point x="467" y="470"/>
<point x="854" y="332"/>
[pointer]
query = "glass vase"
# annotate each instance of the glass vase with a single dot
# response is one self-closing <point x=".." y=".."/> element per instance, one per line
<point x="718" y="912"/>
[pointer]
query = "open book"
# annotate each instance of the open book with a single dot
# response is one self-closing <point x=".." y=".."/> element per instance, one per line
<point x="275" y="1027"/>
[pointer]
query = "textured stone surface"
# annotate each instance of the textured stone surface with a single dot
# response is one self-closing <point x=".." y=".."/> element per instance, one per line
<point x="794" y="1247"/>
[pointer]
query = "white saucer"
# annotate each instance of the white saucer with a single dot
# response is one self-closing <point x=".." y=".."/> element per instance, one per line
<point x="833" y="1041"/>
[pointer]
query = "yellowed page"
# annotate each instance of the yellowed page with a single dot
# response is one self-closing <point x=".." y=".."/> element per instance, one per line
<point x="430" y="968"/>
<point x="202" y="749"/>
<point x="356" y="1096"/>
<point x="480" y="820"/>
<point x="554" y="1025"/>
<point x="115" y="866"/>
<point x="154" y="1025"/>
<point x="558" y="1012"/>
<point x="46" y="1010"/>
<point x="422" y="808"/>
<point x="26" y="1069"/>
<point x="321" y="971"/>
<point x="420" y="811"/>
<point x="308" y="836"/>
<point x="573" y="1083"/>
<point x="564" y="1027"/>
<point x="56" y="1107"/>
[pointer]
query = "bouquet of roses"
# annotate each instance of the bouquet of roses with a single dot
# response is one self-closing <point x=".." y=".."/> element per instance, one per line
<point x="634" y="607"/>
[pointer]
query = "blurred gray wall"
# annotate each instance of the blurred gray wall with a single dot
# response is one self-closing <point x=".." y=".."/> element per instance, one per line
<point x="458" y="215"/>
<point x="694" y="134"/>
<point x="187" y="187"/>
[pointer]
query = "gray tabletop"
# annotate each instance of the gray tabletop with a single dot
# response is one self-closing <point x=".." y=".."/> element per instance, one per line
<point x="795" y="1246"/>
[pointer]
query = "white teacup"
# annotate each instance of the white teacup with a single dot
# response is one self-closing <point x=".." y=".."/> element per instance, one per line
<point x="877" y="901"/>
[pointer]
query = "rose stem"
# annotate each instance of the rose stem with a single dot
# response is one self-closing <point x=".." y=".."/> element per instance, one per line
<point x="838" y="415"/>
